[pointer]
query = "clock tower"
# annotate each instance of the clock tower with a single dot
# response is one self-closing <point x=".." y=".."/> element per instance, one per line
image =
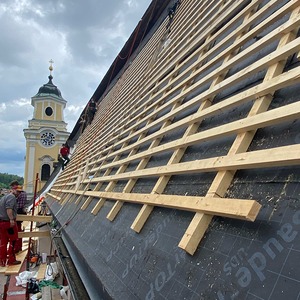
<point x="45" y="134"/>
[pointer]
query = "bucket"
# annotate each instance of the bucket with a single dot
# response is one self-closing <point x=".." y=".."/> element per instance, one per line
<point x="44" y="258"/>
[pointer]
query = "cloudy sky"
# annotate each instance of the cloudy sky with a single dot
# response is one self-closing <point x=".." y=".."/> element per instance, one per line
<point x="81" y="36"/>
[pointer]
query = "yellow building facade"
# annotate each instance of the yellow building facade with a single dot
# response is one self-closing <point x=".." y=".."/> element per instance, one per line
<point x="46" y="133"/>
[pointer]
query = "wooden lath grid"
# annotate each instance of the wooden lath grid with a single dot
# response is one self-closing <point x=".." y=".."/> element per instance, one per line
<point x="135" y="76"/>
<point x="146" y="111"/>
<point x="161" y="83"/>
<point x="220" y="88"/>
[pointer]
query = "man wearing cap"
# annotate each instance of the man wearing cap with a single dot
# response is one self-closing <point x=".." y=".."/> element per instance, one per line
<point x="21" y="203"/>
<point x="8" y="227"/>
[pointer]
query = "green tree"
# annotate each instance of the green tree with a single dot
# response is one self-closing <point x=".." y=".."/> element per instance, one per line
<point x="6" y="179"/>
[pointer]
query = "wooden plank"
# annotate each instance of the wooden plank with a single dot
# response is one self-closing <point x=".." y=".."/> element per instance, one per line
<point x="276" y="12"/>
<point x="41" y="272"/>
<point x="55" y="294"/>
<point x="35" y="218"/>
<point x="15" y="269"/>
<point x="176" y="157"/>
<point x="53" y="195"/>
<point x="234" y="208"/>
<point x="268" y="158"/>
<point x="46" y="293"/>
<point x="276" y="116"/>
<point x="33" y="234"/>
<point x="274" y="157"/>
<point x="244" y="137"/>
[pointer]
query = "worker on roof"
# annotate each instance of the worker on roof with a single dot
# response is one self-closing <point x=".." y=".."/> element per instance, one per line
<point x="64" y="155"/>
<point x="92" y="108"/>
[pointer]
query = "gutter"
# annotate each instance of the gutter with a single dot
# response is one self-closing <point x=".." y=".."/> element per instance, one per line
<point x="77" y="287"/>
<point x="84" y="283"/>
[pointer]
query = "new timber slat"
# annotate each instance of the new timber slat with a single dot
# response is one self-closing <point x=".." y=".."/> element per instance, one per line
<point x="35" y="218"/>
<point x="234" y="208"/>
<point x="280" y="156"/>
<point x="178" y="59"/>
<point x="276" y="116"/>
<point x="177" y="155"/>
<point x="25" y="234"/>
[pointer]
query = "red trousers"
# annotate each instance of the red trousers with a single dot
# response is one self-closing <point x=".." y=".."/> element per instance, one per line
<point x="18" y="244"/>
<point x="8" y="237"/>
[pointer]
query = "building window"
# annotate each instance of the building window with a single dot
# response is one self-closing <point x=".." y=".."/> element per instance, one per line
<point x="45" y="172"/>
<point x="49" y="111"/>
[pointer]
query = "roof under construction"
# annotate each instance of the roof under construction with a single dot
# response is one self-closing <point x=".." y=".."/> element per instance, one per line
<point x="186" y="183"/>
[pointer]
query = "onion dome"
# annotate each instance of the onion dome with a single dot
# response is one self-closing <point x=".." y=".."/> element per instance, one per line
<point x="49" y="88"/>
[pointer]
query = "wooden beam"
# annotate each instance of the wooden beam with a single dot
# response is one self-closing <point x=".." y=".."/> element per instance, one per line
<point x="55" y="196"/>
<point x="274" y="157"/>
<point x="15" y="269"/>
<point x="275" y="116"/>
<point x="25" y="234"/>
<point x="46" y="219"/>
<point x="41" y="272"/>
<point x="233" y="208"/>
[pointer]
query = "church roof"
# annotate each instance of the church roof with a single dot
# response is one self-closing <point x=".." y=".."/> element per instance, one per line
<point x="196" y="135"/>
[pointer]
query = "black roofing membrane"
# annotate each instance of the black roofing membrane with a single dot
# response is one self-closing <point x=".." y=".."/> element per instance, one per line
<point x="234" y="259"/>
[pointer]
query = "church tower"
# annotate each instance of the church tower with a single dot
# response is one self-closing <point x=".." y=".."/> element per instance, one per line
<point x="45" y="134"/>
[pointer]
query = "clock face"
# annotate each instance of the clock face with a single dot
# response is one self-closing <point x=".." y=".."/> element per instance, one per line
<point x="47" y="139"/>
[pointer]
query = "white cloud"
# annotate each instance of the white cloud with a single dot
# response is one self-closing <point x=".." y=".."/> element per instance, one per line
<point x="82" y="37"/>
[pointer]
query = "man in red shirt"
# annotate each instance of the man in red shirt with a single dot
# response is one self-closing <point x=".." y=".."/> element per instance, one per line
<point x="64" y="155"/>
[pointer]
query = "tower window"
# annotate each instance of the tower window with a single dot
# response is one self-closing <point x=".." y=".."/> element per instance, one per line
<point x="49" y="111"/>
<point x="45" y="172"/>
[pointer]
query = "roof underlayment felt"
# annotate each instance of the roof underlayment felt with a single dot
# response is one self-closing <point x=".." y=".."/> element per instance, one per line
<point x="236" y="258"/>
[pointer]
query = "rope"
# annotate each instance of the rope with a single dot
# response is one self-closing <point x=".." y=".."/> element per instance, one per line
<point x="148" y="21"/>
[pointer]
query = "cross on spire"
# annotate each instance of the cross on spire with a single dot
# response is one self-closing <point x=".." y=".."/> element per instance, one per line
<point x="51" y="67"/>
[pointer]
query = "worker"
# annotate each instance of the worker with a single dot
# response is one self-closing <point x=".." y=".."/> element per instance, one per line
<point x="21" y="210"/>
<point x="91" y="110"/>
<point x="8" y="227"/>
<point x="171" y="12"/>
<point x="64" y="155"/>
